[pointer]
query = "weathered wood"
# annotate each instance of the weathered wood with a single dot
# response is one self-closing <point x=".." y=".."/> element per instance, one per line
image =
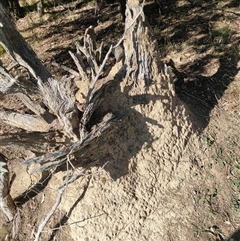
<point x="25" y="122"/>
<point x="6" y="81"/>
<point x="80" y="66"/>
<point x="17" y="47"/>
<point x="6" y="203"/>
<point x="71" y="71"/>
<point x="87" y="142"/>
<point x="40" y="8"/>
<point x="40" y="143"/>
<point x="82" y="147"/>
<point x="33" y="106"/>
<point x="57" y="97"/>
<point x="140" y="48"/>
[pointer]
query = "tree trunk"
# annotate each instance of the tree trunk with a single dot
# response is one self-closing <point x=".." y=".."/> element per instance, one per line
<point x="141" y="49"/>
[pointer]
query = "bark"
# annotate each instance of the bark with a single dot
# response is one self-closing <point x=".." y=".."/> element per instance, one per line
<point x="40" y="143"/>
<point x="7" y="81"/>
<point x="140" y="48"/>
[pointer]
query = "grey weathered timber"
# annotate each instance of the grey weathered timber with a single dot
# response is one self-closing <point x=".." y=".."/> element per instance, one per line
<point x="17" y="47"/>
<point x="6" y="203"/>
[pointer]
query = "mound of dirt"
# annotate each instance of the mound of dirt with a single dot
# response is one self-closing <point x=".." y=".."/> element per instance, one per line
<point x="144" y="191"/>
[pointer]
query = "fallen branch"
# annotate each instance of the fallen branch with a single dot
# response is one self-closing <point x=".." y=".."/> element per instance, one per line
<point x="59" y="157"/>
<point x="25" y="122"/>
<point x="29" y="141"/>
<point x="17" y="47"/>
<point x="6" y="203"/>
<point x="79" y="63"/>
<point x="52" y="211"/>
<point x="58" y="99"/>
<point x="61" y="66"/>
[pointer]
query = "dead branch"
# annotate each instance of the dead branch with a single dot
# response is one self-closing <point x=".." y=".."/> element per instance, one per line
<point x="61" y="103"/>
<point x="97" y="75"/>
<point x="17" y="47"/>
<point x="71" y="71"/>
<point x="29" y="141"/>
<point x="90" y="51"/>
<point x="51" y="212"/>
<point x="6" y="81"/>
<point x="26" y="122"/>
<point x="99" y="52"/>
<point x="6" y="203"/>
<point x="58" y="158"/>
<point x="34" y="107"/>
<point x="80" y="65"/>
<point x="55" y="97"/>
<point x="137" y="48"/>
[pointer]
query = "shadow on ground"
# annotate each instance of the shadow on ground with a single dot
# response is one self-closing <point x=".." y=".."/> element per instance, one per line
<point x="198" y="25"/>
<point x="235" y="236"/>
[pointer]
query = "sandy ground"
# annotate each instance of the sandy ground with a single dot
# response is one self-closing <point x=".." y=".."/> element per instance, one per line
<point x="169" y="171"/>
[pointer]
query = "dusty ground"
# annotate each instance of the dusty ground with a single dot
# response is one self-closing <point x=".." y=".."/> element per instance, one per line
<point x="166" y="174"/>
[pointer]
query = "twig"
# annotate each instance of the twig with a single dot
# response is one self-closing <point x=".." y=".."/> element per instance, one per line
<point x="54" y="208"/>
<point x="97" y="75"/>
<point x="33" y="106"/>
<point x="79" y="65"/>
<point x="71" y="71"/>
<point x="70" y="178"/>
<point x="89" y="49"/>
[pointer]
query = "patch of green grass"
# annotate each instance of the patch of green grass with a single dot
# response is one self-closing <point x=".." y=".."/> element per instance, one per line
<point x="207" y="141"/>
<point x="222" y="35"/>
<point x="235" y="205"/>
<point x="2" y="50"/>
<point x="196" y="231"/>
<point x="227" y="158"/>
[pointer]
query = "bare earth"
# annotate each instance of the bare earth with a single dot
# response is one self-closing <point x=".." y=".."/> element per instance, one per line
<point x="165" y="173"/>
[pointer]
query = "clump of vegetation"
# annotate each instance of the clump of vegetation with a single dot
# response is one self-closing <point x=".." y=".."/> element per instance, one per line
<point x="222" y="35"/>
<point x="2" y="50"/>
